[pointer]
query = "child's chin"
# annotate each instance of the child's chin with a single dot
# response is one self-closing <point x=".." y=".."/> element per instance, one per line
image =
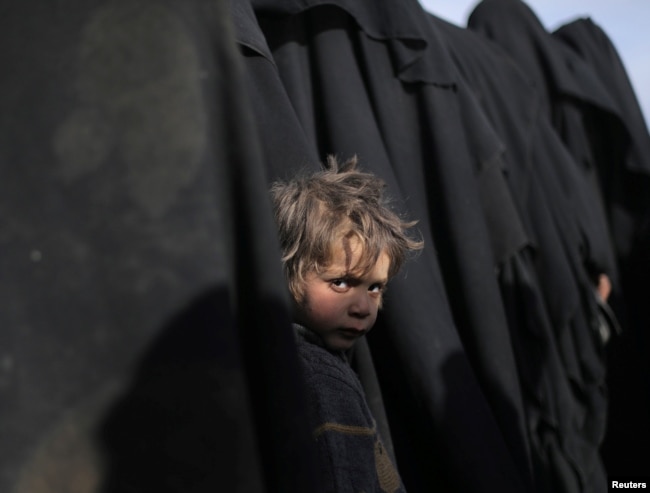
<point x="340" y="344"/>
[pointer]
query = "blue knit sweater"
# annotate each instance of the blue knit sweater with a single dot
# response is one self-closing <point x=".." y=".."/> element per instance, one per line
<point x="352" y="456"/>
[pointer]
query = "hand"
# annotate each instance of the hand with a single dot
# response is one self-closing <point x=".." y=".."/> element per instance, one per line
<point x="604" y="287"/>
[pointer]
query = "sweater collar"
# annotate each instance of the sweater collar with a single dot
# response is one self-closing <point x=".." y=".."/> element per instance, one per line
<point x="312" y="337"/>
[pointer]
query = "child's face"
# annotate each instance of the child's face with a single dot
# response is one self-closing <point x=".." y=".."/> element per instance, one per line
<point x="339" y="305"/>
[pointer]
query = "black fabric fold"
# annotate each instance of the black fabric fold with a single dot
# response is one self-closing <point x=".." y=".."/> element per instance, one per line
<point x="541" y="286"/>
<point x="623" y="159"/>
<point x="146" y="343"/>
<point x="342" y="85"/>
<point x="402" y="24"/>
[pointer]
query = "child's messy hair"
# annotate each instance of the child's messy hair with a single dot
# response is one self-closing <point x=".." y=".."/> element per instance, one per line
<point x="315" y="211"/>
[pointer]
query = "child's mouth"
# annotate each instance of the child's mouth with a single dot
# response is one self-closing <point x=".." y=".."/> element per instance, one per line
<point x="352" y="333"/>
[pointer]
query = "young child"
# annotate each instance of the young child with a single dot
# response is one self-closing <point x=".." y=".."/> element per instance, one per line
<point x="341" y="244"/>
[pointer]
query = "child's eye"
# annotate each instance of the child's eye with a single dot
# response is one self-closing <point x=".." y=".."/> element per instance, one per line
<point x="340" y="283"/>
<point x="376" y="288"/>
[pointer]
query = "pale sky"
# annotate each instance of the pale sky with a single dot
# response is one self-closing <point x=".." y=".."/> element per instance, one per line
<point x="626" y="22"/>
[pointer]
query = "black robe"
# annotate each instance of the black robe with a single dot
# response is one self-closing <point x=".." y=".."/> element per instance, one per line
<point x="146" y="341"/>
<point x="568" y="89"/>
<point x="546" y="313"/>
<point x="589" y="102"/>
<point x="374" y="80"/>
<point x="623" y="151"/>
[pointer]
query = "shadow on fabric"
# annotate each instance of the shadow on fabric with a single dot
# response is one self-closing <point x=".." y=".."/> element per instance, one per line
<point x="185" y="424"/>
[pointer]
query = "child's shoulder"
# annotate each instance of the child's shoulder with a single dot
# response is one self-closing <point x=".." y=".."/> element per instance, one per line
<point x="311" y="348"/>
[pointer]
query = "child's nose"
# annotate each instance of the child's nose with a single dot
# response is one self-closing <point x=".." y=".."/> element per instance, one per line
<point x="361" y="305"/>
